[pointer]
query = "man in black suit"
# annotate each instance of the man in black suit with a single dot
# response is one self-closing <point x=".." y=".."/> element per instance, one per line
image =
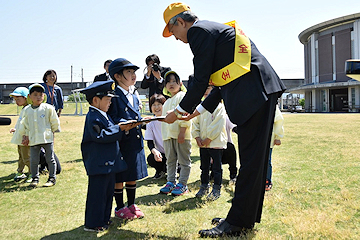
<point x="104" y="76"/>
<point x="250" y="89"/>
<point x="153" y="79"/>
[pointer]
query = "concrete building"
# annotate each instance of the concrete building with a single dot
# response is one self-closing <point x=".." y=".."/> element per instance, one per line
<point x="327" y="46"/>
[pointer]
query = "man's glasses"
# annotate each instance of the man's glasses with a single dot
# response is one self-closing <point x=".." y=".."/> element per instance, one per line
<point x="170" y="30"/>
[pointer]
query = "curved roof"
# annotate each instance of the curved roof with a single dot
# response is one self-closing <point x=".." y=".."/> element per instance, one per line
<point x="304" y="35"/>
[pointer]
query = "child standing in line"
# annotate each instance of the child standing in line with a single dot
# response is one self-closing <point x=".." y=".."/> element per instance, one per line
<point x="156" y="158"/>
<point x="37" y="127"/>
<point x="20" y="96"/>
<point x="210" y="135"/>
<point x="229" y="155"/>
<point x="177" y="138"/>
<point x="101" y="155"/>
<point x="124" y="108"/>
<point x="277" y="133"/>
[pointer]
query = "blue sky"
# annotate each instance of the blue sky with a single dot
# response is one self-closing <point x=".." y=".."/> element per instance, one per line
<point x="39" y="35"/>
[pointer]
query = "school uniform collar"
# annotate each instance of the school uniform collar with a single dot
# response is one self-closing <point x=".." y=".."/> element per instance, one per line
<point x="100" y="111"/>
<point x="131" y="90"/>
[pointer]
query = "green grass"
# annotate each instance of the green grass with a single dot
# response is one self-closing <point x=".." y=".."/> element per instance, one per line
<point x="315" y="193"/>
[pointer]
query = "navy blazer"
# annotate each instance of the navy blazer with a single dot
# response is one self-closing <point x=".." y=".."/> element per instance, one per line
<point x="131" y="144"/>
<point x="212" y="45"/>
<point x="100" y="145"/>
<point x="120" y="111"/>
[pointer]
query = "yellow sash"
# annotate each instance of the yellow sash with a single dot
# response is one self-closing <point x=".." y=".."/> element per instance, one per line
<point x="242" y="59"/>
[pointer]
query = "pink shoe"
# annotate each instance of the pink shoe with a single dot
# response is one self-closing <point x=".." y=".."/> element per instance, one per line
<point x="124" y="213"/>
<point x="136" y="210"/>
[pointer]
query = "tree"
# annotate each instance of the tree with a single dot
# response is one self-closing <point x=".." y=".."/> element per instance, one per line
<point x="71" y="98"/>
<point x="302" y="102"/>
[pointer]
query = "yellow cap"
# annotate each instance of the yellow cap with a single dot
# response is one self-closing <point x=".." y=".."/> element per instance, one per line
<point x="171" y="11"/>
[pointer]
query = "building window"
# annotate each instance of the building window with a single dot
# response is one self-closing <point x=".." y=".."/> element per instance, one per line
<point x="352" y="45"/>
<point x="323" y="101"/>
<point x="333" y="57"/>
<point x="352" y="98"/>
<point x="316" y="62"/>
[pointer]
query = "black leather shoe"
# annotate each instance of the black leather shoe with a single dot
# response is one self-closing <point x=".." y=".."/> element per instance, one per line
<point x="223" y="229"/>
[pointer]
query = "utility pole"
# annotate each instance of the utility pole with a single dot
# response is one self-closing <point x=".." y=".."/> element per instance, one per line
<point x="71" y="77"/>
<point x="82" y="75"/>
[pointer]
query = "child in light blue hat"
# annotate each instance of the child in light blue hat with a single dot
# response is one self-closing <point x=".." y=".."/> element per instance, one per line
<point x="20" y="96"/>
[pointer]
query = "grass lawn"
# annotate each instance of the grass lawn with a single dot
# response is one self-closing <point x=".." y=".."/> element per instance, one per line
<point x="315" y="194"/>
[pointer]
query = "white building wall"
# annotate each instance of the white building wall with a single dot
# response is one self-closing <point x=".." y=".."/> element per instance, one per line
<point x="314" y="58"/>
<point x="357" y="98"/>
<point x="356" y="36"/>
<point x="313" y="102"/>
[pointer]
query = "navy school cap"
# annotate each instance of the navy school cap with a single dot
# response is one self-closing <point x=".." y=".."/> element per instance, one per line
<point x="100" y="88"/>
<point x="118" y="65"/>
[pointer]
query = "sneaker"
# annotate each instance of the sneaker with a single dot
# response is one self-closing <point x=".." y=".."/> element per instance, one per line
<point x="51" y="182"/>
<point x="268" y="185"/>
<point x="95" y="229"/>
<point x="159" y="175"/>
<point x="108" y="224"/>
<point x="29" y="178"/>
<point x="169" y="187"/>
<point x="204" y="190"/>
<point x="215" y="194"/>
<point x="232" y="181"/>
<point x="124" y="213"/>
<point x="180" y="190"/>
<point x="19" y="176"/>
<point x="232" y="178"/>
<point x="136" y="210"/>
<point x="34" y="182"/>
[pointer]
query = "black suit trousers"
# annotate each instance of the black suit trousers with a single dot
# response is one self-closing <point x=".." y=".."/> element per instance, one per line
<point x="254" y="143"/>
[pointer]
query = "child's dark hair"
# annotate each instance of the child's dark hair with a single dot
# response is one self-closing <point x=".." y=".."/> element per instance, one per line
<point x="167" y="78"/>
<point x="36" y="89"/>
<point x="90" y="99"/>
<point x="156" y="98"/>
<point x="48" y="72"/>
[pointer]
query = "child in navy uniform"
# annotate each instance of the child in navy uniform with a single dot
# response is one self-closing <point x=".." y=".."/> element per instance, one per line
<point x="101" y="155"/>
<point x="124" y="108"/>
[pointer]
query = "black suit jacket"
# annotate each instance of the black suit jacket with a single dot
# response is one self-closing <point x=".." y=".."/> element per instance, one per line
<point x="100" y="77"/>
<point x="213" y="45"/>
<point x="153" y="84"/>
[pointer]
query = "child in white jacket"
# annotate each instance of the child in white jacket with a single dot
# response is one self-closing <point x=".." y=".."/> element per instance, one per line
<point x="210" y="134"/>
<point x="277" y="133"/>
<point x="37" y="128"/>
